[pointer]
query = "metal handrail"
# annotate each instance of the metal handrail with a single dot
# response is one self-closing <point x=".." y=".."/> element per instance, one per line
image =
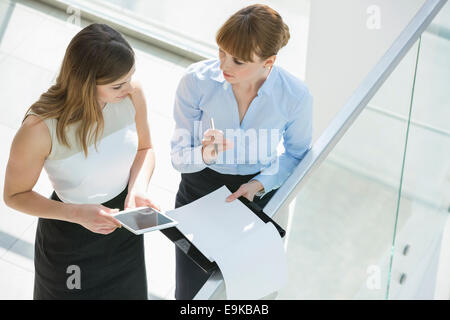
<point x="340" y="124"/>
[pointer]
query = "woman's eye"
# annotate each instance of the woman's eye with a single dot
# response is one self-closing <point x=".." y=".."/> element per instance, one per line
<point x="117" y="88"/>
<point x="238" y="62"/>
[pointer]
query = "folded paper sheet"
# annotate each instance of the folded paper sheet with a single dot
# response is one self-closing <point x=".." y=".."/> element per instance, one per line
<point x="249" y="252"/>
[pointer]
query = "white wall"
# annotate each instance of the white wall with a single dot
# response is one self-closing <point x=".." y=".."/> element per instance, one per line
<point x="344" y="44"/>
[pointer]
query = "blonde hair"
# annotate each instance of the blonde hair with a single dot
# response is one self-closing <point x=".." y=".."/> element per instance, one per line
<point x="255" y="29"/>
<point x="97" y="55"/>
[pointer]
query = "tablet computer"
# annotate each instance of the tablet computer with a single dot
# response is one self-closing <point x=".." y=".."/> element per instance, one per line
<point x="144" y="219"/>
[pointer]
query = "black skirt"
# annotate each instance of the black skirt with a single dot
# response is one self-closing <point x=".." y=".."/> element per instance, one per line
<point x="189" y="277"/>
<point x="72" y="262"/>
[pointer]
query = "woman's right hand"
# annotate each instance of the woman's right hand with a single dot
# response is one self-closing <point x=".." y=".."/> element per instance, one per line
<point x="211" y="137"/>
<point x="96" y="218"/>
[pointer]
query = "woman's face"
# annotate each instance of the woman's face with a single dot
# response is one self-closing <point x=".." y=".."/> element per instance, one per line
<point x="115" y="91"/>
<point x="236" y="71"/>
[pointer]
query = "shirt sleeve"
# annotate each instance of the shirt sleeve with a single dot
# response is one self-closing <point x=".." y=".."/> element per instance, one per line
<point x="297" y="141"/>
<point x="186" y="146"/>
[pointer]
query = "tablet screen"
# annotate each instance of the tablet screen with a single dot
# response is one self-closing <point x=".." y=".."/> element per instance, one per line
<point x="143" y="219"/>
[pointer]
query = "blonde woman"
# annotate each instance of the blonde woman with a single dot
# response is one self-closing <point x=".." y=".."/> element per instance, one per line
<point x="89" y="131"/>
<point x="254" y="104"/>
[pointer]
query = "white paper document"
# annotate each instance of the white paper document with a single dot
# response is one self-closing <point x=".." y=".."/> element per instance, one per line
<point x="249" y="252"/>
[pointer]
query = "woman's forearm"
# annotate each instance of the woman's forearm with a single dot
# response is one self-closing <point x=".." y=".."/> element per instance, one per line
<point x="32" y="203"/>
<point x="141" y="170"/>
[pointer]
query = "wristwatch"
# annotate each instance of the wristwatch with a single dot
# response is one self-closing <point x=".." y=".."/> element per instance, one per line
<point x="259" y="193"/>
<point x="210" y="163"/>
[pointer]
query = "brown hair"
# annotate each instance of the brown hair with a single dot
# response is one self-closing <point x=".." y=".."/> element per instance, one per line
<point x="254" y="29"/>
<point x="97" y="55"/>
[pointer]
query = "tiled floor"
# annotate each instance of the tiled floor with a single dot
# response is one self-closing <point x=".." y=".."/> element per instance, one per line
<point x="34" y="38"/>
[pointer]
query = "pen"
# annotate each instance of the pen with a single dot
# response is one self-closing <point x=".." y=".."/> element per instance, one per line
<point x="214" y="128"/>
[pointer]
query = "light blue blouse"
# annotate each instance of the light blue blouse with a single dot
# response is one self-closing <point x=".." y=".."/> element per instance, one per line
<point x="282" y="110"/>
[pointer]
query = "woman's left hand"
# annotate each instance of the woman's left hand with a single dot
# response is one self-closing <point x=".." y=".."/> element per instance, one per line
<point x="139" y="199"/>
<point x="247" y="190"/>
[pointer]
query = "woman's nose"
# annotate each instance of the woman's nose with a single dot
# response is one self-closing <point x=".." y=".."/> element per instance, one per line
<point x="224" y="64"/>
<point x="127" y="88"/>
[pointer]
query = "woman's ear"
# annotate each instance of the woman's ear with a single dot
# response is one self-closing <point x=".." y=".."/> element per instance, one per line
<point x="270" y="61"/>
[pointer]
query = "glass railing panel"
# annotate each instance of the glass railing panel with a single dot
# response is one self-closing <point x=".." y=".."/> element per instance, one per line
<point x="424" y="201"/>
<point x="341" y="225"/>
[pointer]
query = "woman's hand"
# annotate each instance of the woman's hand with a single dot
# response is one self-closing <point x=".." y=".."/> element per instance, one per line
<point x="96" y="218"/>
<point x="210" y="138"/>
<point x="136" y="199"/>
<point x="247" y="190"/>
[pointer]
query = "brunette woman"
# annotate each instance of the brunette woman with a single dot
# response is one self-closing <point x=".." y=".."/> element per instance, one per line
<point x="89" y="131"/>
<point x="254" y="104"/>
